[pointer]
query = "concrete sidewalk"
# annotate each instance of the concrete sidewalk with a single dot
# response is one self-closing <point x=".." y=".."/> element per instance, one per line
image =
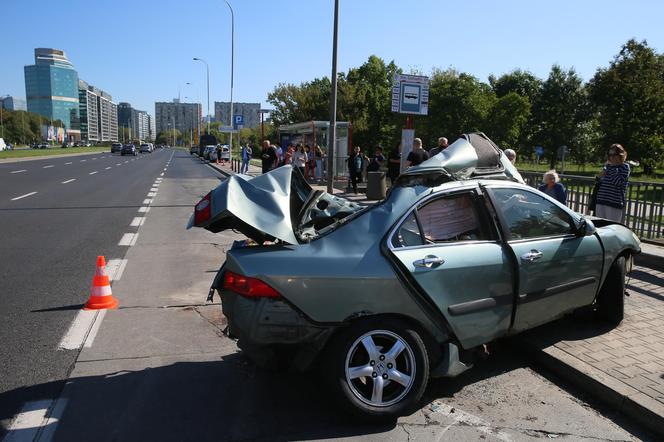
<point x="622" y="366"/>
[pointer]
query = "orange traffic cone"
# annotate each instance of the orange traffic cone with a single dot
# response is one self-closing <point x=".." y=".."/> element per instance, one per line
<point x="100" y="294"/>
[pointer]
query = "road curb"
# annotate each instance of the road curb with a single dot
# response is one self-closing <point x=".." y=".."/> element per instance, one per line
<point x="47" y="157"/>
<point x="618" y="395"/>
<point x="649" y="260"/>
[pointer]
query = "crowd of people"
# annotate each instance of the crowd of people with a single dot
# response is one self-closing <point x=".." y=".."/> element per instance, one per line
<point x="608" y="199"/>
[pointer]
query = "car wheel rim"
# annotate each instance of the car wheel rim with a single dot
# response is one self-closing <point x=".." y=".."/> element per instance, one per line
<point x="380" y="368"/>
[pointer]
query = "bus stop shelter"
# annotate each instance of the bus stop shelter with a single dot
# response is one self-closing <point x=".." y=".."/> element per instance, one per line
<point x="317" y="132"/>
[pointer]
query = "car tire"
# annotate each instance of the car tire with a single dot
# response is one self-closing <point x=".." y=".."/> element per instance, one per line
<point x="360" y="357"/>
<point x="610" y="305"/>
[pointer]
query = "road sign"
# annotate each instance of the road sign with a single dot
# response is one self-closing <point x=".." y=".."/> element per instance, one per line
<point x="410" y="94"/>
<point x="539" y="151"/>
<point x="238" y="121"/>
<point x="227" y="129"/>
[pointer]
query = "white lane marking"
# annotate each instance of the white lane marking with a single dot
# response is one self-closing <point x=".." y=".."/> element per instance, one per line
<point x="144" y="209"/>
<point x="92" y="173"/>
<point x="153" y="194"/>
<point x="19" y="171"/>
<point x="69" y="181"/>
<point x="108" y="167"/>
<point x="128" y="239"/>
<point x="154" y="189"/>
<point x="102" y="157"/>
<point x="78" y="330"/>
<point x="95" y="328"/>
<point x="126" y="161"/>
<point x="162" y="174"/>
<point x="115" y="268"/>
<point x="83" y="161"/>
<point x="23" y="196"/>
<point x="67" y="163"/>
<point x="119" y="164"/>
<point x="147" y="201"/>
<point x="165" y="169"/>
<point x="94" y="158"/>
<point x="36" y="420"/>
<point x="137" y="221"/>
<point x="48" y="167"/>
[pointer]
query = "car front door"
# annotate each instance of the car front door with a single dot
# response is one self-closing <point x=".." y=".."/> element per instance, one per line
<point x="558" y="269"/>
<point x="455" y="260"/>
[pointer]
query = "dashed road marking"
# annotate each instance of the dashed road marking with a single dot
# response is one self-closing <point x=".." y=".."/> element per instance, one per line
<point x="78" y="330"/>
<point x="48" y="167"/>
<point x="152" y="193"/>
<point x="162" y="174"/>
<point x="37" y="419"/>
<point x="68" y="163"/>
<point x="126" y="161"/>
<point x="19" y="171"/>
<point x="69" y="181"/>
<point x="128" y="239"/>
<point x="115" y="268"/>
<point x="137" y="221"/>
<point x="119" y="164"/>
<point x="94" y="158"/>
<point x="23" y="196"/>
<point x="144" y="209"/>
<point x="92" y="173"/>
<point x="165" y="169"/>
<point x="147" y="201"/>
<point x="108" y="167"/>
<point x="83" y="161"/>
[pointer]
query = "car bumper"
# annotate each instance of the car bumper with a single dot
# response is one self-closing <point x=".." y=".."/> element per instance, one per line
<point x="269" y="329"/>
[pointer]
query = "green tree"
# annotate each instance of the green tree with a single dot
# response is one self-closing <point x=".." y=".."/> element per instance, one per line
<point x="629" y="96"/>
<point x="506" y="119"/>
<point x="458" y="103"/>
<point x="559" y="112"/>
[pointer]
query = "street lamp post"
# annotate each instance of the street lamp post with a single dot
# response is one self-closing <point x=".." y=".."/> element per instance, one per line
<point x="2" y="122"/>
<point x="232" y="68"/>
<point x="207" y="69"/>
<point x="332" y="134"/>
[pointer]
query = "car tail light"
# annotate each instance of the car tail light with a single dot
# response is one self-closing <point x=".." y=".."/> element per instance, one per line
<point x="202" y="210"/>
<point x="249" y="287"/>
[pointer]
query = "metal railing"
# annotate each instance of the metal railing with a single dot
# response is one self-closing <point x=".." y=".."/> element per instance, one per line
<point x="644" y="212"/>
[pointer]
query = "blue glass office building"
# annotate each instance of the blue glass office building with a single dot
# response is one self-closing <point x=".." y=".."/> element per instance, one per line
<point x="51" y="88"/>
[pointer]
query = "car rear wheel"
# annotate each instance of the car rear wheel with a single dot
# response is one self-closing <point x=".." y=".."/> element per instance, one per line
<point x="610" y="306"/>
<point x="380" y="368"/>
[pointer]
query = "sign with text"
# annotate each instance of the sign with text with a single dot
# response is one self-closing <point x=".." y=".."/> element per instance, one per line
<point x="410" y="94"/>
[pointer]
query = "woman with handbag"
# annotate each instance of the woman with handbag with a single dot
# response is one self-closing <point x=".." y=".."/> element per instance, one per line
<point x="611" y="201"/>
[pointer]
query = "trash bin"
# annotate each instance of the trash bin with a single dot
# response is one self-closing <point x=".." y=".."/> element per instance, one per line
<point x="376" y="185"/>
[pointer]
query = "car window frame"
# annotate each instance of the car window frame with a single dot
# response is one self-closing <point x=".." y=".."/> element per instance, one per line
<point x="476" y="195"/>
<point x="505" y="232"/>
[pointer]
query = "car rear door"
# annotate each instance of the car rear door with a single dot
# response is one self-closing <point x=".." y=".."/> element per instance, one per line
<point x="558" y="269"/>
<point x="453" y="259"/>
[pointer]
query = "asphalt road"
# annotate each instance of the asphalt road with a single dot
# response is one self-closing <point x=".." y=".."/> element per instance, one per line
<point x="56" y="216"/>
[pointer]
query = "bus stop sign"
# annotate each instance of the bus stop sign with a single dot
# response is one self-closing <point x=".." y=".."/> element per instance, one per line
<point x="410" y="94"/>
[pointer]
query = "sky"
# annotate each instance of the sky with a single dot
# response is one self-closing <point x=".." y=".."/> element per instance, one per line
<point x="141" y="51"/>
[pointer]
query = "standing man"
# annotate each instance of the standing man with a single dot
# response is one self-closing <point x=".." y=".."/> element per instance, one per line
<point x="442" y="145"/>
<point x="246" y="156"/>
<point x="280" y="156"/>
<point x="418" y="155"/>
<point x="376" y="160"/>
<point x="268" y="156"/>
<point x="394" y="164"/>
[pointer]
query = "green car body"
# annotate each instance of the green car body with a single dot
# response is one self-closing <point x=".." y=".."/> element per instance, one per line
<point x="520" y="259"/>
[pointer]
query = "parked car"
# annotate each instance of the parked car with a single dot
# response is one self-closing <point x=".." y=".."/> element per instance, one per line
<point x="43" y="145"/>
<point x="193" y="150"/>
<point x="207" y="151"/>
<point x="146" y="148"/>
<point x="116" y="147"/>
<point x="128" y="149"/>
<point x="225" y="153"/>
<point x="458" y="254"/>
<point x="3" y="146"/>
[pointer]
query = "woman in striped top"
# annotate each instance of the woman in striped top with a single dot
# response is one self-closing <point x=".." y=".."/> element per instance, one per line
<point x="613" y="183"/>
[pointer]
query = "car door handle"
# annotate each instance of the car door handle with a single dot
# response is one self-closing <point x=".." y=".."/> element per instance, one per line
<point x="429" y="261"/>
<point x="531" y="256"/>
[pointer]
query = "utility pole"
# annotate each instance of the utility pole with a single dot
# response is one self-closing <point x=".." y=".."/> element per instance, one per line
<point x="332" y="133"/>
<point x="232" y="70"/>
<point x="207" y="69"/>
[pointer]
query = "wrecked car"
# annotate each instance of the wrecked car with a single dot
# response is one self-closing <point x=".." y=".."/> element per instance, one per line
<point x="382" y="298"/>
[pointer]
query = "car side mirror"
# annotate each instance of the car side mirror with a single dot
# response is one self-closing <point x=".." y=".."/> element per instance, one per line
<point x="586" y="227"/>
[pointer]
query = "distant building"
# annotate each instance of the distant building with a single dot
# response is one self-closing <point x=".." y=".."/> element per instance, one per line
<point x="51" y="89"/>
<point x="184" y="116"/>
<point x="137" y="121"/>
<point x="249" y="111"/>
<point x="13" y="103"/>
<point x="153" y="129"/>
<point x="98" y="114"/>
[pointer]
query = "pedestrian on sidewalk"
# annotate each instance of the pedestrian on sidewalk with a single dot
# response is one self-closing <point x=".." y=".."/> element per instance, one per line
<point x="418" y="155"/>
<point x="377" y="160"/>
<point x="613" y="185"/>
<point x="280" y="156"/>
<point x="268" y="156"/>
<point x="300" y="159"/>
<point x="246" y="157"/>
<point x="442" y="145"/>
<point x="318" y="155"/>
<point x="355" y="167"/>
<point x="219" y="160"/>
<point x="394" y="164"/>
<point x="553" y="187"/>
<point x="288" y="156"/>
